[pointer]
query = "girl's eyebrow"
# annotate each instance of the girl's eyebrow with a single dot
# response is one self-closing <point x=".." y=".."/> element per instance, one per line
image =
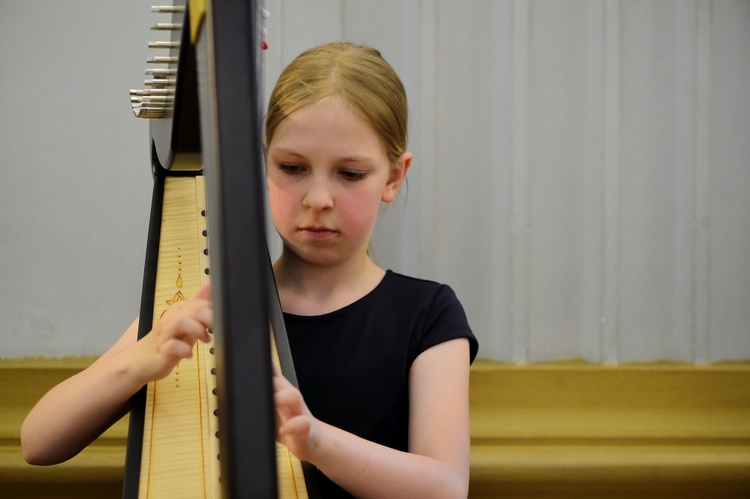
<point x="342" y="160"/>
<point x="355" y="159"/>
<point x="290" y="152"/>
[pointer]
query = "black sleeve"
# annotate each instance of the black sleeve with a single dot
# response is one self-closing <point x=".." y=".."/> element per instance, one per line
<point x="445" y="320"/>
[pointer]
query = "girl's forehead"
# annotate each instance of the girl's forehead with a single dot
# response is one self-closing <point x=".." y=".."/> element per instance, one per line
<point x="327" y="109"/>
<point x="331" y="121"/>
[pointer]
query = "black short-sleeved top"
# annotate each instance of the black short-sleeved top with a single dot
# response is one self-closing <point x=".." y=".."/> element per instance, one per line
<point x="353" y="364"/>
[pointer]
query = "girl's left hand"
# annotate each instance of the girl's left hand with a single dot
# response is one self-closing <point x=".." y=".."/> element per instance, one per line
<point x="297" y="428"/>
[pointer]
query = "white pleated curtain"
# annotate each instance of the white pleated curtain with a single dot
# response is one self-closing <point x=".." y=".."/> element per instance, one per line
<point x="581" y="172"/>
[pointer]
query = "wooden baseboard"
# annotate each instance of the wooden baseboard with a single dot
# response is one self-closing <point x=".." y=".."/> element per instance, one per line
<point x="558" y="430"/>
<point x="579" y="430"/>
<point x="95" y="473"/>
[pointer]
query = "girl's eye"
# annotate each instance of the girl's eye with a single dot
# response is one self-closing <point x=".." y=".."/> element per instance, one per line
<point x="290" y="168"/>
<point x="352" y="175"/>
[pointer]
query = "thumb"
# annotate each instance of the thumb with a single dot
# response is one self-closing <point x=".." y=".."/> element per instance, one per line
<point x="204" y="292"/>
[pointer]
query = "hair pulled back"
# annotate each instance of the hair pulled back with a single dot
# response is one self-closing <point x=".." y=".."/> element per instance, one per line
<point x="355" y="75"/>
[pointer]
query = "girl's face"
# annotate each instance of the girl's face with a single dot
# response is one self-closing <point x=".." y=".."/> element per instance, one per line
<point x="327" y="175"/>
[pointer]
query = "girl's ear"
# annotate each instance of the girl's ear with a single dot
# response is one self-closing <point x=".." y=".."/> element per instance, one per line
<point x="396" y="178"/>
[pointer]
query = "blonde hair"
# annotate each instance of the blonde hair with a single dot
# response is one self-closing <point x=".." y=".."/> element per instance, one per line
<point x="356" y="75"/>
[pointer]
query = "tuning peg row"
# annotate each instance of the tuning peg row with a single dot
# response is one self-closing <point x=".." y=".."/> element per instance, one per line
<point x="157" y="99"/>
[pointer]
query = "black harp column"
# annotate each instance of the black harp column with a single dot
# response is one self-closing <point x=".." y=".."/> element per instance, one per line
<point x="228" y="63"/>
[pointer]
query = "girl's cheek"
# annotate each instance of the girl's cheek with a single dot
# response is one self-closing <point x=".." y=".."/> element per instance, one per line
<point x="279" y="204"/>
<point x="359" y="213"/>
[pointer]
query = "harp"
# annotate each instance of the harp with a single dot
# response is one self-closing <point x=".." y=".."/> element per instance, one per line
<point x="207" y="429"/>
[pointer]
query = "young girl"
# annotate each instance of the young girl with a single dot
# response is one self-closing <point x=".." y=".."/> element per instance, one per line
<point x="382" y="359"/>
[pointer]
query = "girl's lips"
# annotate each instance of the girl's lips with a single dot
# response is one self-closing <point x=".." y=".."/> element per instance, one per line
<point x="317" y="232"/>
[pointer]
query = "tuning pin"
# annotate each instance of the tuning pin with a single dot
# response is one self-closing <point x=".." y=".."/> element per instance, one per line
<point x="166" y="26"/>
<point x="167" y="9"/>
<point x="151" y="91"/>
<point x="161" y="72"/>
<point x="162" y="59"/>
<point x="163" y="45"/>
<point x="160" y="82"/>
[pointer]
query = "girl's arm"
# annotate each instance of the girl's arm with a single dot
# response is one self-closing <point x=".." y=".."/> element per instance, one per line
<point x="437" y="464"/>
<point x="75" y="412"/>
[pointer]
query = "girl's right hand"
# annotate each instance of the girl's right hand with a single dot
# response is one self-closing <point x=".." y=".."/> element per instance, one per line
<point x="173" y="337"/>
<point x="74" y="413"/>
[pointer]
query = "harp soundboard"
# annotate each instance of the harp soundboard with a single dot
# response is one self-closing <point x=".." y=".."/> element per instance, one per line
<point x="207" y="430"/>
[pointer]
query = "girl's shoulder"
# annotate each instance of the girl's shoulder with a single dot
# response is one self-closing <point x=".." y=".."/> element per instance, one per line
<point x="432" y="308"/>
<point x="416" y="291"/>
<point x="402" y="281"/>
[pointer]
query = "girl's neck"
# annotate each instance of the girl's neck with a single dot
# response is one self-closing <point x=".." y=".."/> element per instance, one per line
<point x="308" y="289"/>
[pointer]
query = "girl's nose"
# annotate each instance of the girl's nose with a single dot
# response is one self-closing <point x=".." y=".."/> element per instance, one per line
<point x="318" y="196"/>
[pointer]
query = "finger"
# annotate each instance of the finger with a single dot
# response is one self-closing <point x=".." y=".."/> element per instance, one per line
<point x="289" y="397"/>
<point x="205" y="316"/>
<point x="298" y="425"/>
<point x="189" y="329"/>
<point x="204" y="292"/>
<point x="281" y="383"/>
<point x="276" y="369"/>
<point x="176" y="349"/>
